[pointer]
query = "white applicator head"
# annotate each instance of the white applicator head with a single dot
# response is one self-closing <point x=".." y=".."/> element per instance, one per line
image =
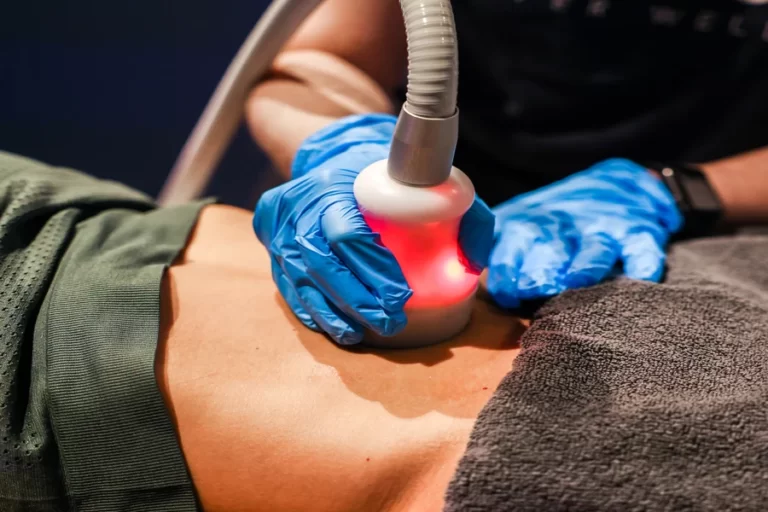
<point x="420" y="225"/>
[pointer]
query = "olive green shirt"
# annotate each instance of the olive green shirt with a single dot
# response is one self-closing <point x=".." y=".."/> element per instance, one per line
<point x="82" y="422"/>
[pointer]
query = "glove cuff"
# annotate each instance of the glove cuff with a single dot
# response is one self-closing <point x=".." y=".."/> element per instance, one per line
<point x="341" y="136"/>
<point x="653" y="188"/>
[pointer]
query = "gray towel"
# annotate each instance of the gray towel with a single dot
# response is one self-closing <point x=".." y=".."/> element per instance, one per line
<point x="632" y="396"/>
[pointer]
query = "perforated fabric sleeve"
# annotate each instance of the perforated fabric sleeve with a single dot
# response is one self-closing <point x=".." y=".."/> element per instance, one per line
<point x="81" y="263"/>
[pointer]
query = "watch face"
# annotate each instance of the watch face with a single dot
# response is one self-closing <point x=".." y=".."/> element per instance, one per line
<point x="700" y="194"/>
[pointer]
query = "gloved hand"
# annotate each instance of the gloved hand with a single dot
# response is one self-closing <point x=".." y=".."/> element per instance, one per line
<point x="328" y="265"/>
<point x="572" y="233"/>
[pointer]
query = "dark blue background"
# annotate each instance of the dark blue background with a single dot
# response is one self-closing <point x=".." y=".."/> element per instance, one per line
<point x="114" y="88"/>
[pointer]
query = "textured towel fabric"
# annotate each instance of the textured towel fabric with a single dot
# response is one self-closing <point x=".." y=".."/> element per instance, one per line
<point x="633" y="396"/>
<point x="82" y="424"/>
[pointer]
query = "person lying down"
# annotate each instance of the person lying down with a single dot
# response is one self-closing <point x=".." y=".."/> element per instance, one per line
<point x="129" y="386"/>
<point x="149" y="363"/>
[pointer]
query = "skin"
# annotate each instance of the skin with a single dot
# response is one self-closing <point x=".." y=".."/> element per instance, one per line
<point x="741" y="183"/>
<point x="274" y="417"/>
<point x="362" y="47"/>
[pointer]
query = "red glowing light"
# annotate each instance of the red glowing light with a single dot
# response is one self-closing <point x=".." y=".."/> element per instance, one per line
<point x="453" y="269"/>
<point x="429" y="258"/>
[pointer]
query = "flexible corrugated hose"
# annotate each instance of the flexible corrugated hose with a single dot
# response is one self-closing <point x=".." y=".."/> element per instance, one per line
<point x="432" y="57"/>
<point x="432" y="86"/>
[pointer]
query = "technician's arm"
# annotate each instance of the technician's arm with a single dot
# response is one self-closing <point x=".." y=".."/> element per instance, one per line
<point x="741" y="183"/>
<point x="347" y="58"/>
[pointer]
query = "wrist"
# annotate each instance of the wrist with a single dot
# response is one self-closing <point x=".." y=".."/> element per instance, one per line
<point x="732" y="191"/>
<point x="369" y="132"/>
<point x="696" y="198"/>
<point x="741" y="182"/>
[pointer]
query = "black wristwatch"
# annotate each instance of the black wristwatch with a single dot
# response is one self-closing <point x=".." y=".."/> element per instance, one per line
<point x="695" y="198"/>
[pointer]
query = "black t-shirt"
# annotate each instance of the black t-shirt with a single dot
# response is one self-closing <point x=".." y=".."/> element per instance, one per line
<point x="549" y="87"/>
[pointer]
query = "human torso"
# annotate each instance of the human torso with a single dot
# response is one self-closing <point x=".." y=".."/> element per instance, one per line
<point x="548" y="87"/>
<point x="274" y="417"/>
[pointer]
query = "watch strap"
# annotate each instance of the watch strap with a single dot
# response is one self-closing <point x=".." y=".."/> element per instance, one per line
<point x="695" y="198"/>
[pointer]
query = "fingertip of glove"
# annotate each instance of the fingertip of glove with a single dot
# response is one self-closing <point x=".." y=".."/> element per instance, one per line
<point x="395" y="325"/>
<point x="308" y="322"/>
<point x="536" y="288"/>
<point x="645" y="266"/>
<point x="505" y="300"/>
<point x="395" y="299"/>
<point x="577" y="280"/>
<point x="584" y="276"/>
<point x="383" y="324"/>
<point x="673" y="220"/>
<point x="348" y="337"/>
<point x="502" y="291"/>
<point x="300" y="313"/>
<point x="646" y="273"/>
<point x="341" y="331"/>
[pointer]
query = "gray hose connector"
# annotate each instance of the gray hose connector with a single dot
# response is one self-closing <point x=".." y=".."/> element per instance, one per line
<point x="427" y="129"/>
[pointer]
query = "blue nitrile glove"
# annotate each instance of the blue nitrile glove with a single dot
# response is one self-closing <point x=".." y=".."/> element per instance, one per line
<point x="331" y="269"/>
<point x="572" y="233"/>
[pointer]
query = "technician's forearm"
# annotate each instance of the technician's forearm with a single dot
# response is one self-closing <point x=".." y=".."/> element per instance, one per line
<point x="307" y="91"/>
<point x="741" y="183"/>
